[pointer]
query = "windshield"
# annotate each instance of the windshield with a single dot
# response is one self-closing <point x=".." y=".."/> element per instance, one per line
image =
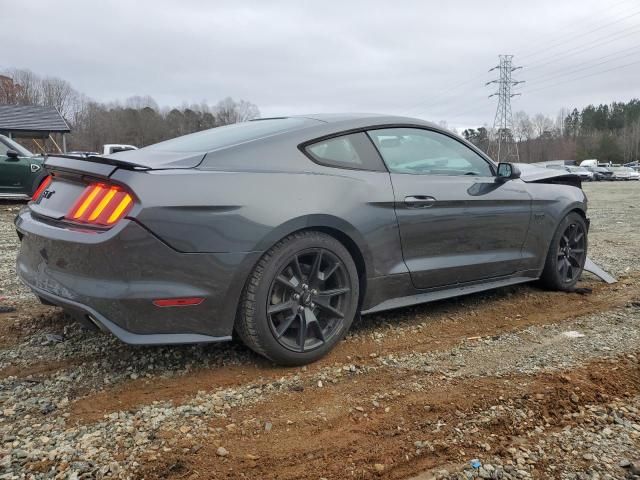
<point x="228" y="135"/>
<point x="7" y="144"/>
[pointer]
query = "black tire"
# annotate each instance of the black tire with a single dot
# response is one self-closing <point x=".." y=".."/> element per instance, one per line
<point x="567" y="254"/>
<point x="295" y="321"/>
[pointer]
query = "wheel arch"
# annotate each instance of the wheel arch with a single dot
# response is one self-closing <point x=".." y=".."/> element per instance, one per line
<point x="580" y="211"/>
<point x="335" y="227"/>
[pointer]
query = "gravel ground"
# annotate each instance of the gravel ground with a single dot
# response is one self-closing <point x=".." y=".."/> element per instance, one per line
<point x="531" y="384"/>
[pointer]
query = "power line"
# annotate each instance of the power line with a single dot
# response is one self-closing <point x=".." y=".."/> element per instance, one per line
<point x="439" y="99"/>
<point x="541" y="79"/>
<point x="562" y="73"/>
<point x="573" y="36"/>
<point x="598" y="42"/>
<point x="433" y="100"/>
<point x="584" y="76"/>
<point x="586" y="46"/>
<point x="502" y="147"/>
<point x="546" y="78"/>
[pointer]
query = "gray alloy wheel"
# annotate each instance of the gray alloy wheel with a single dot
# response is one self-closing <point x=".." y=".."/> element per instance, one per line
<point x="300" y="299"/>
<point x="567" y="254"/>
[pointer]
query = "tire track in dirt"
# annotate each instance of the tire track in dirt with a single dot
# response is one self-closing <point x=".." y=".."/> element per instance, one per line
<point x="18" y="326"/>
<point x="338" y="432"/>
<point x="422" y="329"/>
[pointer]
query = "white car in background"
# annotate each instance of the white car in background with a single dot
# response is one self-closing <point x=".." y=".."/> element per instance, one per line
<point x="634" y="175"/>
<point x="110" y="148"/>
<point x="585" y="174"/>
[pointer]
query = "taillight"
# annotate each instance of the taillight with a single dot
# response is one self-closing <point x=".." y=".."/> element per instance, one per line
<point x="43" y="186"/>
<point x="101" y="204"/>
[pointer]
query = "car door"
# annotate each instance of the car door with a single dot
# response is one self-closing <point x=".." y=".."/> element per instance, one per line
<point x="457" y="224"/>
<point x="10" y="171"/>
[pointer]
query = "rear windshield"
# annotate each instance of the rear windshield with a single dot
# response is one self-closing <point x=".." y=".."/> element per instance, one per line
<point x="221" y="137"/>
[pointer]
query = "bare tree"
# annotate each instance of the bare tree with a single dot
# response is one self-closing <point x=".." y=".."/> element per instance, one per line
<point x="60" y="94"/>
<point x="522" y="126"/>
<point x="542" y="124"/>
<point x="229" y="111"/>
<point x="29" y="91"/>
<point x="138" y="120"/>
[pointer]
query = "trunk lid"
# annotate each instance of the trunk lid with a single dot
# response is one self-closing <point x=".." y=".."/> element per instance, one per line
<point x="71" y="175"/>
<point x="131" y="159"/>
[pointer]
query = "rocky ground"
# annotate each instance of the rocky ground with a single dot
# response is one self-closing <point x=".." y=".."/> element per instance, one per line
<point x="517" y="383"/>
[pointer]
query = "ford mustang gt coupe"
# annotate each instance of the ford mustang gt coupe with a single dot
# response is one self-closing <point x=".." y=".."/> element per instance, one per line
<point x="282" y="230"/>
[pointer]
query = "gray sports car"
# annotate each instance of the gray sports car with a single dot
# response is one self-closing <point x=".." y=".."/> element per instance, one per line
<point x="284" y="229"/>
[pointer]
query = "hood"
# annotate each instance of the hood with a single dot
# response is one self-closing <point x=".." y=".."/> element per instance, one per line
<point x="532" y="173"/>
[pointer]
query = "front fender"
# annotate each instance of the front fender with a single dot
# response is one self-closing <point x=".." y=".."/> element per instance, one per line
<point x="550" y="204"/>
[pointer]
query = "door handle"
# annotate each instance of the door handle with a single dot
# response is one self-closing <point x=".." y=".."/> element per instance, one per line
<point x="419" y="201"/>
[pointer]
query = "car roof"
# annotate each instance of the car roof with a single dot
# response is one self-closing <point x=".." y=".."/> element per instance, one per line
<point x="190" y="150"/>
<point x="363" y="118"/>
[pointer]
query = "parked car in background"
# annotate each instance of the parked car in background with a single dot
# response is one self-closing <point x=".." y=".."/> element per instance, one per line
<point x="601" y="173"/>
<point x="283" y="230"/>
<point x="634" y="174"/>
<point x="81" y="154"/>
<point x="624" y="173"/>
<point x="634" y="165"/>
<point x="591" y="162"/>
<point x="21" y="172"/>
<point x="585" y="174"/>
<point x="110" y="148"/>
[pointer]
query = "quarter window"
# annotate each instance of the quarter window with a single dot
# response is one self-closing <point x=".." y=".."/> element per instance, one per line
<point x="424" y="152"/>
<point x="354" y="151"/>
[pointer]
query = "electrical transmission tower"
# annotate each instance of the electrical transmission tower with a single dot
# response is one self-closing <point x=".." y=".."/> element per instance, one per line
<point x="502" y="147"/>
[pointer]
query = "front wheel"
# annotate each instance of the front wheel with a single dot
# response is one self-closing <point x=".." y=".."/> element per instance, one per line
<point x="567" y="254"/>
<point x="300" y="300"/>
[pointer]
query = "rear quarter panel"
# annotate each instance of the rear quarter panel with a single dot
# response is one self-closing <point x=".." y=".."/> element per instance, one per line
<point x="249" y="211"/>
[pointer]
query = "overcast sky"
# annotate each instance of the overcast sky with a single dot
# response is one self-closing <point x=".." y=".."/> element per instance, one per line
<point x="422" y="58"/>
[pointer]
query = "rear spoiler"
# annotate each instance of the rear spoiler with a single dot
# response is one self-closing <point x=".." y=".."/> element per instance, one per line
<point x="95" y="165"/>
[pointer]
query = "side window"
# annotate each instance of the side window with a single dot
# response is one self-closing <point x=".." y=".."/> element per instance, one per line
<point x="354" y="151"/>
<point x="3" y="149"/>
<point x="423" y="152"/>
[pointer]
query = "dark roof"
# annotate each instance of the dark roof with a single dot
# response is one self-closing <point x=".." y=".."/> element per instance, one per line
<point x="31" y="118"/>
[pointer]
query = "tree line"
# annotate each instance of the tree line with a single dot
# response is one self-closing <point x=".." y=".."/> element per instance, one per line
<point x="137" y="120"/>
<point x="608" y="132"/>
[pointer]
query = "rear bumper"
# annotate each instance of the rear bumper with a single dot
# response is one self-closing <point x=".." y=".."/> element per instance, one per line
<point x="113" y="278"/>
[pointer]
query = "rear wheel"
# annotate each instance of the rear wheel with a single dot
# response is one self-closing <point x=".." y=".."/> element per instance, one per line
<point x="567" y="254"/>
<point x="300" y="300"/>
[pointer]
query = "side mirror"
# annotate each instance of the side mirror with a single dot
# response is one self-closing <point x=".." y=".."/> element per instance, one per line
<point x="12" y="153"/>
<point x="507" y="171"/>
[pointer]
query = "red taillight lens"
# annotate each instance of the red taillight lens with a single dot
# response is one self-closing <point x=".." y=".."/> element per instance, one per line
<point x="178" y="302"/>
<point x="101" y="204"/>
<point x="43" y="186"/>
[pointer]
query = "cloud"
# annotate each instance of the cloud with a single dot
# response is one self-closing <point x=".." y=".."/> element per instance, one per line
<point x="427" y="59"/>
